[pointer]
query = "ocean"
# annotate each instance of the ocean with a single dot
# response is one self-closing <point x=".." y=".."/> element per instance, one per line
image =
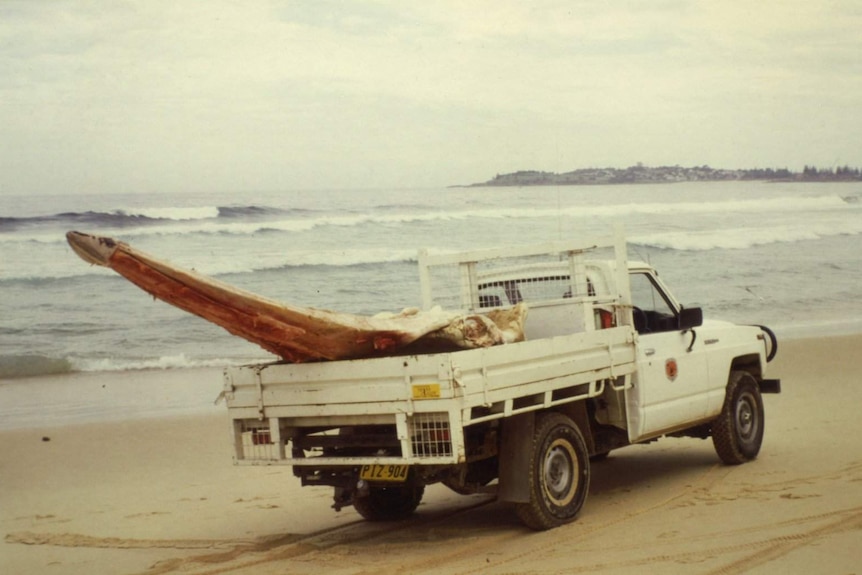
<point x="788" y="255"/>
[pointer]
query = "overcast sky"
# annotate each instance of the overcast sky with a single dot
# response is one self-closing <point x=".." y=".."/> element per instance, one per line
<point x="175" y="96"/>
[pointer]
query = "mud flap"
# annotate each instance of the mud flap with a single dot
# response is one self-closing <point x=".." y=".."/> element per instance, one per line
<point x="770" y="386"/>
<point x="514" y="473"/>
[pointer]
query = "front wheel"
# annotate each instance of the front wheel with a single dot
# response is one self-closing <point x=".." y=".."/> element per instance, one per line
<point x="738" y="432"/>
<point x="559" y="473"/>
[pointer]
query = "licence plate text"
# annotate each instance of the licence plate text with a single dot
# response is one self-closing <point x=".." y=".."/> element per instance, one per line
<point x="384" y="472"/>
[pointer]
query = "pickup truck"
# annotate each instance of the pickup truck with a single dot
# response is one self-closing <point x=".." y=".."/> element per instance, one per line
<point x="610" y="359"/>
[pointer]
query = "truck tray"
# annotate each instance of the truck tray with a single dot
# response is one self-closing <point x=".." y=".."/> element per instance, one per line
<point x="422" y="395"/>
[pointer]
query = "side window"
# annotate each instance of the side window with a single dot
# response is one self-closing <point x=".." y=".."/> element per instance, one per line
<point x="652" y="313"/>
<point x="503" y="293"/>
<point x="535" y="289"/>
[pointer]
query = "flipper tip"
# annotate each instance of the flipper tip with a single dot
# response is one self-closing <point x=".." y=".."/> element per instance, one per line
<point x="92" y="249"/>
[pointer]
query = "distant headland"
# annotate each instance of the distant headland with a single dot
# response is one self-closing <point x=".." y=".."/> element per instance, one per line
<point x="641" y="174"/>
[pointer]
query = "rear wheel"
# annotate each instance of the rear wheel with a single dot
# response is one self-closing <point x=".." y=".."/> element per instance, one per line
<point x="737" y="434"/>
<point x="390" y="502"/>
<point x="559" y="473"/>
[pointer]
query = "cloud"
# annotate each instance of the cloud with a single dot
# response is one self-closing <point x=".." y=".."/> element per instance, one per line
<point x="271" y="95"/>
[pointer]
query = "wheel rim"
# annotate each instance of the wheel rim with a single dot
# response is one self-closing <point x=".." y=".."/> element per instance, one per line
<point x="559" y="472"/>
<point x="746" y="417"/>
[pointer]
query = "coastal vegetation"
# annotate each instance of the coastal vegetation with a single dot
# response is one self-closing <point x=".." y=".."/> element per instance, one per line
<point x="641" y="174"/>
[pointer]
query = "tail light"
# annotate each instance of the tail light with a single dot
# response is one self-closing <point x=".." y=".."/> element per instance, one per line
<point x="261" y="437"/>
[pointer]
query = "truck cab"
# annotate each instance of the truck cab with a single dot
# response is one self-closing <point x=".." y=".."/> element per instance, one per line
<point x="683" y="362"/>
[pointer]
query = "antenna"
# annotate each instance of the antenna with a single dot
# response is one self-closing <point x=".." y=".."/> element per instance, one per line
<point x="637" y="250"/>
<point x="559" y="215"/>
<point x="559" y="193"/>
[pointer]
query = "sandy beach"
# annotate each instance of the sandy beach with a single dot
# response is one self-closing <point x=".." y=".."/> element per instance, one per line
<point x="160" y="495"/>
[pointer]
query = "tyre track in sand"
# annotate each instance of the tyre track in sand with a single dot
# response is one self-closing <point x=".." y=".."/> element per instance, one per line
<point x="329" y="546"/>
<point x="460" y="541"/>
<point x="757" y="552"/>
<point x="571" y="534"/>
<point x="462" y="545"/>
<point x="771" y="549"/>
<point x="234" y="555"/>
<point x="753" y="539"/>
<point x="707" y="488"/>
<point x="488" y="539"/>
<point x="468" y="539"/>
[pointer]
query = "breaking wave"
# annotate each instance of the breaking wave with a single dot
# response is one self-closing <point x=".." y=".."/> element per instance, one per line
<point x="144" y="218"/>
<point x="744" y="238"/>
<point x="254" y="219"/>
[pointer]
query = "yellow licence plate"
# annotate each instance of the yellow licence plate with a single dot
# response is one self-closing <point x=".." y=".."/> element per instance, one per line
<point x="384" y="473"/>
<point x="426" y="391"/>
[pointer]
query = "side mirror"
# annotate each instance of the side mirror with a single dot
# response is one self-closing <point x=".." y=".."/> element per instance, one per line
<point x="691" y="317"/>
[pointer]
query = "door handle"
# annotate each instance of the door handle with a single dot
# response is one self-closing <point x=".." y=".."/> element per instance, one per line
<point x="649" y="352"/>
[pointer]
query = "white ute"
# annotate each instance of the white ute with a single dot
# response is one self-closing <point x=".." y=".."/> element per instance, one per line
<point x="610" y="359"/>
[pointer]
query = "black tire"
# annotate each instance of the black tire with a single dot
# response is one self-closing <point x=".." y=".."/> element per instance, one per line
<point x="390" y="502"/>
<point x="737" y="433"/>
<point x="559" y="473"/>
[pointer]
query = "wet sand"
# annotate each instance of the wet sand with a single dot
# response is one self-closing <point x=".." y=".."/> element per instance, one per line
<point x="160" y="495"/>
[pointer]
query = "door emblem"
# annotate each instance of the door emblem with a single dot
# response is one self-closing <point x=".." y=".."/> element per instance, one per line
<point x="671" y="369"/>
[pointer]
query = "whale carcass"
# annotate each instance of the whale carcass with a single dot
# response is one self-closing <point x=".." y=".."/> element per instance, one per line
<point x="300" y="334"/>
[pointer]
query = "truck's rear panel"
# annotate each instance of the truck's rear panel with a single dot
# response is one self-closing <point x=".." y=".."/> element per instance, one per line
<point x="413" y="409"/>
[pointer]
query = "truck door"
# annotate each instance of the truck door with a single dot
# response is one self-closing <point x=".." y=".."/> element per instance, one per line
<point x="670" y="385"/>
